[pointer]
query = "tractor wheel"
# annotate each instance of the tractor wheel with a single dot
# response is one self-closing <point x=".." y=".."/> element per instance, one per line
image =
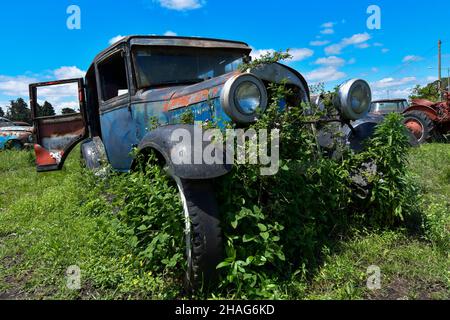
<point x="421" y="126"/>
<point x="203" y="235"/>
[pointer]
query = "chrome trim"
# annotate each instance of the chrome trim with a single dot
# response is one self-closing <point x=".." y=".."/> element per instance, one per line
<point x="228" y="95"/>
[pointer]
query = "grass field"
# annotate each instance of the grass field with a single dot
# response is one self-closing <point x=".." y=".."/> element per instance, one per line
<point x="46" y="226"/>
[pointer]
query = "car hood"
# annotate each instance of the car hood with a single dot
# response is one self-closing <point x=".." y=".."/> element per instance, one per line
<point x="174" y="97"/>
<point x="16" y="129"/>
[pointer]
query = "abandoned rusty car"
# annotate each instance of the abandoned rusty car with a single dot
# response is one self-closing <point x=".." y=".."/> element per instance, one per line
<point x="144" y="77"/>
<point x="14" y="135"/>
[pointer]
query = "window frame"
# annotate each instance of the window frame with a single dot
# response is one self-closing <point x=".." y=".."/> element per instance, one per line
<point x="120" y="100"/>
<point x="133" y="62"/>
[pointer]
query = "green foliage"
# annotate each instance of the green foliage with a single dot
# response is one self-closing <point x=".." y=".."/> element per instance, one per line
<point x="68" y="111"/>
<point x="431" y="164"/>
<point x="265" y="59"/>
<point x="2" y="113"/>
<point x="276" y="226"/>
<point x="46" y="110"/>
<point x="187" y="117"/>
<point x="430" y="91"/>
<point x="149" y="213"/>
<point x="393" y="194"/>
<point x="19" y="111"/>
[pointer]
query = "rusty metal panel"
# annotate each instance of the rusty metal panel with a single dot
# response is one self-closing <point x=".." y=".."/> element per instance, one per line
<point x="56" y="133"/>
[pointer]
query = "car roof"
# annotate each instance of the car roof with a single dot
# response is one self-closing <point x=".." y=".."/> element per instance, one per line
<point x="388" y="100"/>
<point x="174" y="41"/>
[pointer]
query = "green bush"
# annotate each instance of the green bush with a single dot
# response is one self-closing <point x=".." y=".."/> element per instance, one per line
<point x="276" y="226"/>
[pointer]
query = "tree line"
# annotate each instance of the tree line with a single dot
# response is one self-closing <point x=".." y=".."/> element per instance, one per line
<point x="430" y="91"/>
<point x="18" y="110"/>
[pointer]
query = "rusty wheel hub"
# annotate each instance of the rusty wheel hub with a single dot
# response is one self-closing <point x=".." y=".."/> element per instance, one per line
<point x="415" y="127"/>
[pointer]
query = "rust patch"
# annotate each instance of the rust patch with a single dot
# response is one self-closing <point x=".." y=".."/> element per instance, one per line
<point x="44" y="157"/>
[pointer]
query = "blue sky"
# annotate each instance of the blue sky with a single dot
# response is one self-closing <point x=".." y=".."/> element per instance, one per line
<point x="330" y="40"/>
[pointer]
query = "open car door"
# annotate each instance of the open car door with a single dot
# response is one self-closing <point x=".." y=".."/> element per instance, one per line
<point x="57" y="135"/>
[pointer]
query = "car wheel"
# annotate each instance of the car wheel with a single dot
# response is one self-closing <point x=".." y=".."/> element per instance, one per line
<point x="14" y="145"/>
<point x="203" y="235"/>
<point x="421" y="126"/>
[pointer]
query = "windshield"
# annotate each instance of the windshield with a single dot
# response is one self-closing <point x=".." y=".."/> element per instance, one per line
<point x="385" y="106"/>
<point x="158" y="66"/>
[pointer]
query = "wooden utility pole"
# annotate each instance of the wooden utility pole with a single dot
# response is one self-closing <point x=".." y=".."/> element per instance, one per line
<point x="440" y="69"/>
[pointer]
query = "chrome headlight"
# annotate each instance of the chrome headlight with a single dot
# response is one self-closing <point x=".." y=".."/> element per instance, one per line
<point x="242" y="96"/>
<point x="354" y="99"/>
<point x="248" y="97"/>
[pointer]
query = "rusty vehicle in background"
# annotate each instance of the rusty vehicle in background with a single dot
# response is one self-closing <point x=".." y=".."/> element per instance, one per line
<point x="386" y="106"/>
<point x="15" y="137"/>
<point x="8" y="123"/>
<point x="142" y="78"/>
<point x="428" y="120"/>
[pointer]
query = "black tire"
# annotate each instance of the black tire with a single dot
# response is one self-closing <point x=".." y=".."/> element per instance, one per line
<point x="204" y="246"/>
<point x="428" y="130"/>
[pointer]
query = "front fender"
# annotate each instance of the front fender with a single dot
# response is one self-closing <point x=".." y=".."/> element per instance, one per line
<point x="363" y="129"/>
<point x="165" y="140"/>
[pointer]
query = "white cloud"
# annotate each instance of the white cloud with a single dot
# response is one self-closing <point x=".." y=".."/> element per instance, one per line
<point x="257" y="53"/>
<point x="327" y="31"/>
<point x="298" y="54"/>
<point x="170" y="33"/>
<point x="432" y="78"/>
<point x="331" y="61"/>
<point x="351" y="61"/>
<point x="395" y="87"/>
<point x="356" y="40"/>
<point x="328" y="25"/>
<point x="60" y="96"/>
<point x="181" y="5"/>
<point x="319" y="43"/>
<point x="374" y="70"/>
<point x="115" y="39"/>
<point x="378" y="44"/>
<point x="385" y="50"/>
<point x="391" y="93"/>
<point x="363" y="46"/>
<point x="334" y="49"/>
<point x="69" y="73"/>
<point x="392" y="82"/>
<point x="411" y="58"/>
<point x="15" y="86"/>
<point x="325" y="74"/>
<point x="4" y="105"/>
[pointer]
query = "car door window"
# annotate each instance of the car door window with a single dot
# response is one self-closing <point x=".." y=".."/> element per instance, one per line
<point x="113" y="77"/>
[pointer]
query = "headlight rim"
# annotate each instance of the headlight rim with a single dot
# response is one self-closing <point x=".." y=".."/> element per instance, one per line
<point x="229" y="101"/>
<point x="344" y="102"/>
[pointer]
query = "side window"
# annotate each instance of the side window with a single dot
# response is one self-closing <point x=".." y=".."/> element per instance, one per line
<point x="57" y="100"/>
<point x="113" y="77"/>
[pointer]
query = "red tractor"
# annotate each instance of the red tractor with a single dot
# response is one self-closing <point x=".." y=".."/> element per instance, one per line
<point x="428" y="120"/>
